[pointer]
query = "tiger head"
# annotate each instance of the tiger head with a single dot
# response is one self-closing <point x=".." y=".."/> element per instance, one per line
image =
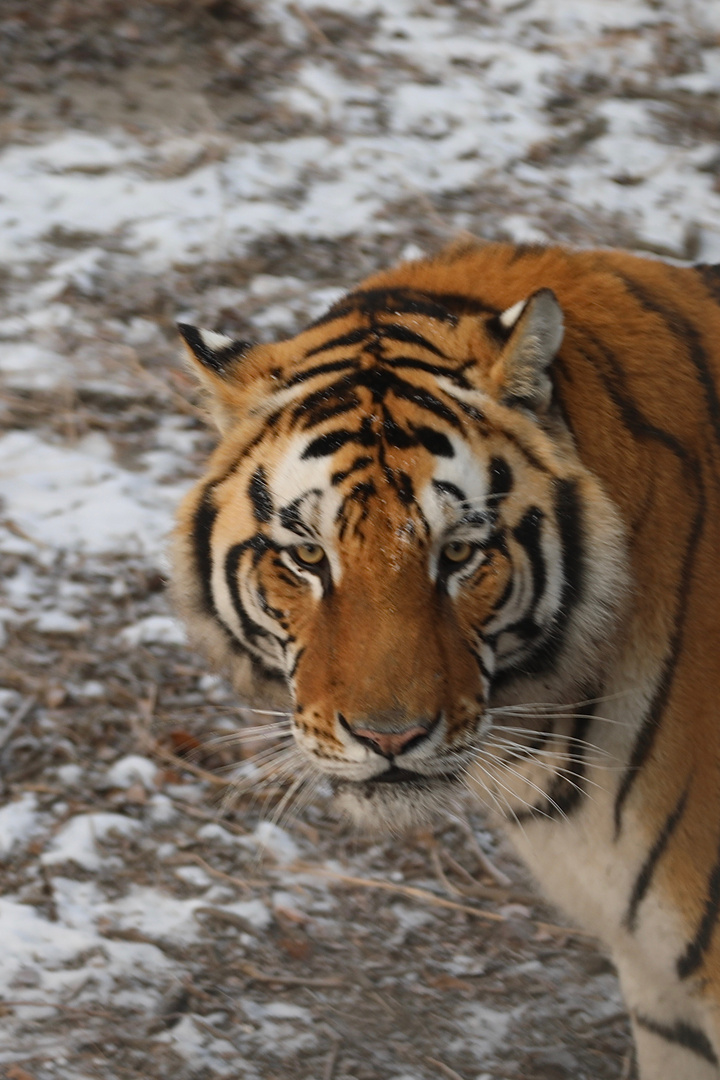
<point x="395" y="531"/>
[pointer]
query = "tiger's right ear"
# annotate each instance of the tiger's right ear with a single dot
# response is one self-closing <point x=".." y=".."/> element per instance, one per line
<point x="217" y="360"/>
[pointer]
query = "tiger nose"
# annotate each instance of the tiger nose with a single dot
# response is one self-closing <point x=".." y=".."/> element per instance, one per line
<point x="388" y="743"/>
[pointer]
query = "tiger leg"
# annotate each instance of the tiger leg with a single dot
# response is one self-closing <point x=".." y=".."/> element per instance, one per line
<point x="674" y="1038"/>
<point x="672" y="1051"/>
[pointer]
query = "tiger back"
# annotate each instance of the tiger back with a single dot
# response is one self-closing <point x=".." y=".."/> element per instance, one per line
<point x="467" y="525"/>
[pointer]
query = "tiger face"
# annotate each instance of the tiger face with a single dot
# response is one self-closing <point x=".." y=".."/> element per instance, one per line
<point x="397" y="530"/>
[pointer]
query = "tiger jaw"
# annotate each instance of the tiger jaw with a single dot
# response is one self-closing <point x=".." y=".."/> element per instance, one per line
<point x="395" y="800"/>
<point x="393" y="791"/>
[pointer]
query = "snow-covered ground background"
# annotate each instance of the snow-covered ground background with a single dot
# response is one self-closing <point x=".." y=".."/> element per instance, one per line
<point x="236" y="163"/>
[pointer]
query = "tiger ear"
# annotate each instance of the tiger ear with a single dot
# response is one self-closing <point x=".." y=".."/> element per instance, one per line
<point x="215" y="359"/>
<point x="532" y="331"/>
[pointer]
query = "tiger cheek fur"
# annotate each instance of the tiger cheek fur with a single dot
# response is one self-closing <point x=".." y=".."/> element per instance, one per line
<point x="468" y="523"/>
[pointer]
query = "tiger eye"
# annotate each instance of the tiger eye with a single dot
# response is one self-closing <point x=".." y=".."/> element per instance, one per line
<point x="310" y="554"/>
<point x="457" y="551"/>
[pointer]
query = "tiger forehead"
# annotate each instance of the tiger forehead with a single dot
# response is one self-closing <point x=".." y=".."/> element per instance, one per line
<point x="359" y="490"/>
<point x="383" y="325"/>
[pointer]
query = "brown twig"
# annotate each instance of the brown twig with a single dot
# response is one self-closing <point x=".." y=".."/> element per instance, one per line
<point x="285" y="980"/>
<point x="332" y="1060"/>
<point x="440" y="873"/>
<point x="154" y="747"/>
<point x="488" y="866"/>
<point x="205" y="815"/>
<point x="211" y="869"/>
<point x="475" y="889"/>
<point x="310" y="25"/>
<point x="450" y="1073"/>
<point x="429" y="898"/>
<point x="20" y="714"/>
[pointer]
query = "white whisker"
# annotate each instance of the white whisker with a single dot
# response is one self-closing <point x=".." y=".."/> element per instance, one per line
<point x="555" y="769"/>
<point x="572" y="739"/>
<point x="524" y="779"/>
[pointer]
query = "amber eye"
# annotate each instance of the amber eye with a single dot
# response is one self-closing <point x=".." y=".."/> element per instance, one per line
<point x="308" y="554"/>
<point x="457" y="551"/>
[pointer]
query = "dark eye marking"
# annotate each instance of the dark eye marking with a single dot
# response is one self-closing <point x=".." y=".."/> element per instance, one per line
<point x="434" y="442"/>
<point x="445" y="487"/>
<point x="291" y="516"/>
<point x="260" y="497"/>
<point x="501" y="477"/>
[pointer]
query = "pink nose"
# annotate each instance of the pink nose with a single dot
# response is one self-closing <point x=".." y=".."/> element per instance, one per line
<point x="390" y="743"/>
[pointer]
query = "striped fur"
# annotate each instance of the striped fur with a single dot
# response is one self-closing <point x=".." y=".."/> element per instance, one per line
<point x="467" y="525"/>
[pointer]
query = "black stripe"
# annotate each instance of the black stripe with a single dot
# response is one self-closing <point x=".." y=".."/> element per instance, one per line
<point x="437" y="370"/>
<point x="319" y="413"/>
<point x="258" y="544"/>
<point x="711" y="279"/>
<point x="615" y="384"/>
<point x="644" y="878"/>
<point x="682" y="1034"/>
<point x="645" y="740"/>
<point x="321" y="369"/>
<point x="260" y="497"/>
<point x="354" y="337"/>
<point x="568" y="517"/>
<point x="402" y="482"/>
<point x="361" y="495"/>
<point x="568" y="514"/>
<point x="461" y="304"/>
<point x="694" y="954"/>
<point x="380" y="383"/>
<point x="527" y="534"/>
<point x="425" y="400"/>
<point x="397" y="332"/>
<point x="203" y="522"/>
<point x="332" y="441"/>
<point x="359" y="463"/>
<point x="501" y="479"/>
<point x="337" y="395"/>
<point x="296" y="661"/>
<point x="396" y="436"/>
<point x="684" y="331"/>
<point x="523" y="251"/>
<point x="443" y="307"/>
<point x="566" y="792"/>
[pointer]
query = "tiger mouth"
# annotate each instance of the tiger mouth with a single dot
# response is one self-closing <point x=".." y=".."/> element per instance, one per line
<point x="396" y="775"/>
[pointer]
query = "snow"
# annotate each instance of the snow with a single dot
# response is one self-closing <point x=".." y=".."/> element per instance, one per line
<point x="78" y="498"/>
<point x="162" y="629"/>
<point x="78" y="840"/>
<point x="18" y="822"/>
<point x="132" y="769"/>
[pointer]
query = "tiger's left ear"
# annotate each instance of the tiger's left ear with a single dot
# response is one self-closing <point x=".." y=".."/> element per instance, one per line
<point x="532" y="331"/>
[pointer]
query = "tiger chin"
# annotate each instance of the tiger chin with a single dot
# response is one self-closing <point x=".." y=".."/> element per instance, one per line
<point x="465" y="527"/>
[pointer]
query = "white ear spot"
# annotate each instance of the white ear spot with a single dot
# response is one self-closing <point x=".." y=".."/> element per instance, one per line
<point x="213" y="341"/>
<point x="510" y="316"/>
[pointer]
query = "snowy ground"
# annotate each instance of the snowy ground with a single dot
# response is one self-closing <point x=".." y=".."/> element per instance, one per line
<point x="236" y="163"/>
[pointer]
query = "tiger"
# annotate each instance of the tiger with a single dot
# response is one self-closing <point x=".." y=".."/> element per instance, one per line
<point x="465" y="527"/>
